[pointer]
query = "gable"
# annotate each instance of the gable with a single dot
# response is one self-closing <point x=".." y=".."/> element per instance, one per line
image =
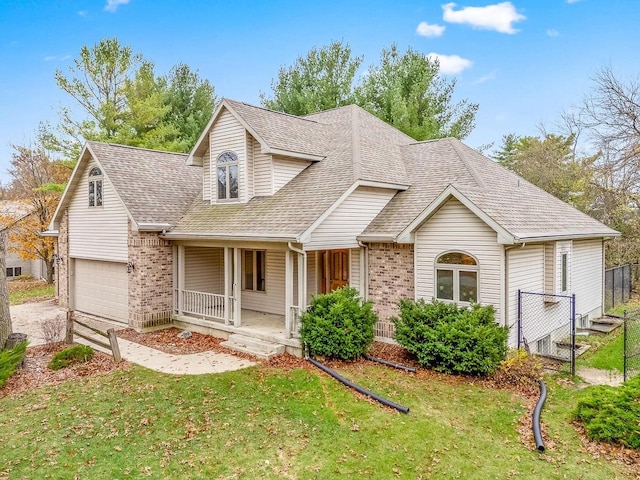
<point x="97" y="232"/>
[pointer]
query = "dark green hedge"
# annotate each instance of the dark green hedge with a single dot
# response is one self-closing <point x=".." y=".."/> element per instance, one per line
<point x="9" y="361"/>
<point x="451" y="339"/>
<point x="338" y="325"/>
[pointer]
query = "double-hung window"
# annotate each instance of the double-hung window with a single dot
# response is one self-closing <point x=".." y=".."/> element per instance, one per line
<point x="457" y="277"/>
<point x="95" y="187"/>
<point x="254" y="265"/>
<point x="227" y="174"/>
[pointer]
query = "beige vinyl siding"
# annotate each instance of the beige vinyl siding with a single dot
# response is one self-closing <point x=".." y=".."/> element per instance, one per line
<point x="97" y="232"/>
<point x="271" y="300"/>
<point x="262" y="171"/>
<point x="549" y="267"/>
<point x="206" y="175"/>
<point x="313" y="287"/>
<point x="354" y="269"/>
<point x="587" y="270"/>
<point x="227" y="133"/>
<point x="204" y="270"/>
<point x="250" y="165"/>
<point x="285" y="169"/>
<point x="563" y="248"/>
<point x="349" y="219"/>
<point x="454" y="227"/>
<point x="525" y="272"/>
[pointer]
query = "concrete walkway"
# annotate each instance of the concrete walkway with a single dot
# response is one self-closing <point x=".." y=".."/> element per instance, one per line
<point x="595" y="376"/>
<point x="29" y="318"/>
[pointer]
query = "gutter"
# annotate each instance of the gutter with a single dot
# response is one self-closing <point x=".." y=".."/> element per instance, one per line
<point x="49" y="233"/>
<point x="555" y="238"/>
<point x="154" y="227"/>
<point x="229" y="238"/>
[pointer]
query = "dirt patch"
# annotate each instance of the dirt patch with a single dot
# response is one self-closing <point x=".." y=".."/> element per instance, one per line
<point x="36" y="374"/>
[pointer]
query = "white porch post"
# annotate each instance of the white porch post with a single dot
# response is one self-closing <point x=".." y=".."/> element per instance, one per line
<point x="288" y="292"/>
<point x="181" y="277"/>
<point x="237" y="271"/>
<point x="227" y="285"/>
<point x="302" y="282"/>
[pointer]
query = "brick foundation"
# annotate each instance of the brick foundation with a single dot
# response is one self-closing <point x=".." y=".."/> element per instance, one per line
<point x="391" y="278"/>
<point x="62" y="267"/>
<point x="150" y="281"/>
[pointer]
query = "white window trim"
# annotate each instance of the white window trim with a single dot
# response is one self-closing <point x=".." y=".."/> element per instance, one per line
<point x="226" y="165"/>
<point x="456" y="277"/>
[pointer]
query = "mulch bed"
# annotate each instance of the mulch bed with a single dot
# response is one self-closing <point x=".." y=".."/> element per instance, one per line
<point x="35" y="372"/>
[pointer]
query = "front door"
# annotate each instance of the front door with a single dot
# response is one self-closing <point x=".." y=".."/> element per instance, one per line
<point x="335" y="270"/>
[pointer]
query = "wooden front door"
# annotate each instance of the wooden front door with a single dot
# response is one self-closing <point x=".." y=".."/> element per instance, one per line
<point x="335" y="270"/>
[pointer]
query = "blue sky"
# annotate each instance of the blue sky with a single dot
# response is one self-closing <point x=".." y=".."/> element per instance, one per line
<point x="523" y="61"/>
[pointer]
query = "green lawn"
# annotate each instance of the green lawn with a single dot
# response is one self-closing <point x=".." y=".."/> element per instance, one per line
<point x="23" y="291"/>
<point x="265" y="423"/>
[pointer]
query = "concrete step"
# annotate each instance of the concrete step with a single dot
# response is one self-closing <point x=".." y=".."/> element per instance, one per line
<point x="603" y="327"/>
<point x="253" y="346"/>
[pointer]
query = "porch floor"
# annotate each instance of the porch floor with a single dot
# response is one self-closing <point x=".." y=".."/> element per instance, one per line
<point x="269" y="323"/>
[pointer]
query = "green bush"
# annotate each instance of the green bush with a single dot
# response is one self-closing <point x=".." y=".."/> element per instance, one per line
<point x="338" y="325"/>
<point x="71" y="356"/>
<point x="9" y="361"/>
<point x="612" y="414"/>
<point x="451" y="339"/>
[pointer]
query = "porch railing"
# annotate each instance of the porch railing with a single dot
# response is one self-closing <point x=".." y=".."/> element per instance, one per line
<point x="204" y="304"/>
<point x="295" y="321"/>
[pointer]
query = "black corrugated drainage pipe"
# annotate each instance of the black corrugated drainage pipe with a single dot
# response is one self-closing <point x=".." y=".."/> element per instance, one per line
<point x="537" y="434"/>
<point x="358" y="388"/>
<point x="399" y="366"/>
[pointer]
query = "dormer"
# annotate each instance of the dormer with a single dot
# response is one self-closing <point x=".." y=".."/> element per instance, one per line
<point x="242" y="155"/>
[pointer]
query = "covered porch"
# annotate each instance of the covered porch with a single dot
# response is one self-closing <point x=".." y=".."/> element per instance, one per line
<point x="256" y="289"/>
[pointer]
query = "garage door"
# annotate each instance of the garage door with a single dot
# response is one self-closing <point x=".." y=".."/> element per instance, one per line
<point x="101" y="289"/>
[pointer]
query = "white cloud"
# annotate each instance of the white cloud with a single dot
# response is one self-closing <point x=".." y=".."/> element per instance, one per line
<point x="499" y="17"/>
<point x="83" y="13"/>
<point x="573" y="1"/>
<point x="112" y="5"/>
<point x="552" y="32"/>
<point x="427" y="30"/>
<point x="56" y="58"/>
<point x="484" y="78"/>
<point x="450" y="64"/>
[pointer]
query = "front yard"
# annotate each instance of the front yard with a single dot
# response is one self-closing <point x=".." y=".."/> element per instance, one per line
<point x="267" y="422"/>
<point x="29" y="290"/>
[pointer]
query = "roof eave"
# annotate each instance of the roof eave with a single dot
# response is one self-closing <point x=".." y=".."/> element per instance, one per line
<point x="154" y="227"/>
<point x="569" y="236"/>
<point x="289" y="153"/>
<point x="49" y="233"/>
<point x="226" y="237"/>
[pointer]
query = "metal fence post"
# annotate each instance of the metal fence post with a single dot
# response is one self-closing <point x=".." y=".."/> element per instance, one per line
<point x="624" y="341"/>
<point x="519" y="328"/>
<point x="573" y="334"/>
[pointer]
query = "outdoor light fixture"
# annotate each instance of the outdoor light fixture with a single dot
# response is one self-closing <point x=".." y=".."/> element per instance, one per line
<point x="56" y="258"/>
<point x="130" y="267"/>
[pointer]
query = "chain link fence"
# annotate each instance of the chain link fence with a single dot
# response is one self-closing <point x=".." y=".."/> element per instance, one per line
<point x="618" y="284"/>
<point x="631" y="344"/>
<point x="546" y="326"/>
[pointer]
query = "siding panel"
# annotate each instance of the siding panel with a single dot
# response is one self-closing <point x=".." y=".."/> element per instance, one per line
<point x="454" y="227"/>
<point x="262" y="171"/>
<point x="204" y="270"/>
<point x="228" y="134"/>
<point x="206" y="175"/>
<point x="348" y="220"/>
<point x="285" y="169"/>
<point x="354" y="270"/>
<point x="587" y="271"/>
<point x="98" y="233"/>
<point x="271" y="301"/>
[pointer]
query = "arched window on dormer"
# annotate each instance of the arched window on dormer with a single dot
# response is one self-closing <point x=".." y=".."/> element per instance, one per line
<point x="95" y="187"/>
<point x="227" y="174"/>
<point x="457" y="277"/>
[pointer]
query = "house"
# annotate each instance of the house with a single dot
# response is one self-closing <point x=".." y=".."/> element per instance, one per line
<point x="13" y="212"/>
<point x="269" y="209"/>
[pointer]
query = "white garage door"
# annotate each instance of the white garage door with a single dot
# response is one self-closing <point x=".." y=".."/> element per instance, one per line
<point x="101" y="289"/>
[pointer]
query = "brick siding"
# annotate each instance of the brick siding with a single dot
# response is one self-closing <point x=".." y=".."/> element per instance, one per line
<point x="150" y="281"/>
<point x="62" y="268"/>
<point x="391" y="277"/>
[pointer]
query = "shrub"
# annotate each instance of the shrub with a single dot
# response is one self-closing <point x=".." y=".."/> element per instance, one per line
<point x="612" y="414"/>
<point x="71" y="356"/>
<point x="451" y="339"/>
<point x="338" y="325"/>
<point x="520" y="369"/>
<point x="9" y="361"/>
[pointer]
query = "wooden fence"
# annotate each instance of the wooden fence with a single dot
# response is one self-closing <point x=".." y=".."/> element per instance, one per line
<point x="110" y="335"/>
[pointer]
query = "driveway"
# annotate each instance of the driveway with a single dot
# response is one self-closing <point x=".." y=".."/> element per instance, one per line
<point x="29" y="318"/>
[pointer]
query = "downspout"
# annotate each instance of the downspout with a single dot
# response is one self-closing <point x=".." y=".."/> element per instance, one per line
<point x="364" y="270"/>
<point x="506" y="280"/>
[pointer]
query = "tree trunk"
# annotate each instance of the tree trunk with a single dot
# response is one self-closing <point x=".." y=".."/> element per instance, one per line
<point x="50" y="270"/>
<point x="5" y="316"/>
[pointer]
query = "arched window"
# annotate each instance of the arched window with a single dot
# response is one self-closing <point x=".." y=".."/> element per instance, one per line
<point x="227" y="173"/>
<point x="95" y="187"/>
<point x="457" y="277"/>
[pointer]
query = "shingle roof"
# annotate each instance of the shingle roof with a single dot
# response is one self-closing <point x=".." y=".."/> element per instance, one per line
<point x="519" y="207"/>
<point x="156" y="187"/>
